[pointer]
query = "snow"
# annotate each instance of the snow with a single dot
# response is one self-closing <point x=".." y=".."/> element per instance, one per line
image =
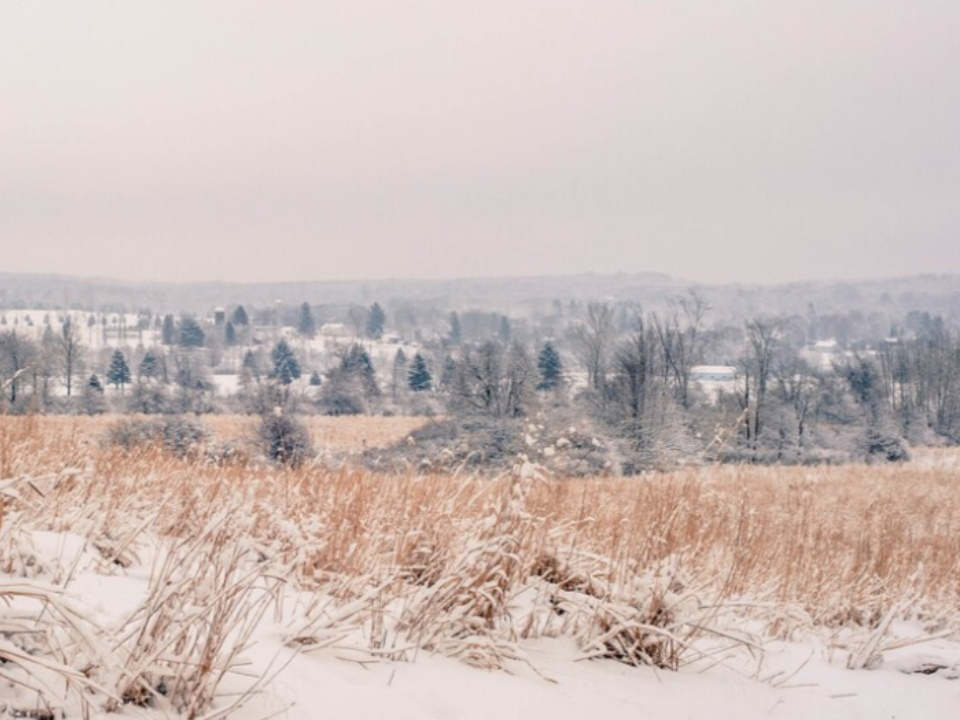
<point x="120" y="331"/>
<point x="788" y="681"/>
<point x="803" y="684"/>
<point x="227" y="384"/>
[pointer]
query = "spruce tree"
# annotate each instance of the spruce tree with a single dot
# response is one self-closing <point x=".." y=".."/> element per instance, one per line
<point x="315" y="380"/>
<point x="286" y="367"/>
<point x="448" y="372"/>
<point x="91" y="396"/>
<point x="240" y="317"/>
<point x="118" y="374"/>
<point x="230" y="334"/>
<point x="550" y="367"/>
<point x="456" y="332"/>
<point x="251" y="365"/>
<point x="399" y="371"/>
<point x="149" y="368"/>
<point x="357" y="362"/>
<point x="419" y="378"/>
<point x="376" y="321"/>
<point x="306" y="325"/>
<point x="505" y="331"/>
<point x="168" y="334"/>
<point x="191" y="334"/>
<point x="94" y="384"/>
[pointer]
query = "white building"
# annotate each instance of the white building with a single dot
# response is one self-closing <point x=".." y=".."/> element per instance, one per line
<point x="713" y="373"/>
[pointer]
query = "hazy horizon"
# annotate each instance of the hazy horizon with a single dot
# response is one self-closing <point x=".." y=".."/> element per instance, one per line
<point x="670" y="279"/>
<point x="305" y="142"/>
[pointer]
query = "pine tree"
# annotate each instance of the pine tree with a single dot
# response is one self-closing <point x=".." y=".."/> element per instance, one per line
<point x="286" y="367"/>
<point x="376" y="321"/>
<point x="419" y="378"/>
<point x="448" y="372"/>
<point x="91" y="396"/>
<point x="306" y="325"/>
<point x="149" y="368"/>
<point x="456" y="332"/>
<point x="399" y="371"/>
<point x="230" y="334"/>
<point x="191" y="334"/>
<point x="168" y="334"/>
<point x="505" y="331"/>
<point x="315" y="380"/>
<point x="118" y="374"/>
<point x="357" y="362"/>
<point x="240" y="317"/>
<point x="251" y="365"/>
<point x="550" y="367"/>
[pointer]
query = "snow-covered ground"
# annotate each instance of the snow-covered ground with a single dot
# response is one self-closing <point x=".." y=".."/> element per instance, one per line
<point x="783" y="680"/>
<point x="97" y="330"/>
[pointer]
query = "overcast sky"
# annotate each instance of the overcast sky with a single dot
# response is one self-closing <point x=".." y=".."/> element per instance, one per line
<point x="302" y="140"/>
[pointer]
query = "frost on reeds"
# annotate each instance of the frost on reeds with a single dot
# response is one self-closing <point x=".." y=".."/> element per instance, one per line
<point x="206" y="597"/>
<point x="655" y="570"/>
<point x="48" y="647"/>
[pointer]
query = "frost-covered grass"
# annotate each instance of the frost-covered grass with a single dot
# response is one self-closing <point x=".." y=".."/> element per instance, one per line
<point x="676" y="571"/>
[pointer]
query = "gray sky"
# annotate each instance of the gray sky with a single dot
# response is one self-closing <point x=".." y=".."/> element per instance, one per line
<point x="302" y="140"/>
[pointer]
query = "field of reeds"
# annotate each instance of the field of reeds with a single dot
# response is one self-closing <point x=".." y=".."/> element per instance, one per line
<point x="673" y="570"/>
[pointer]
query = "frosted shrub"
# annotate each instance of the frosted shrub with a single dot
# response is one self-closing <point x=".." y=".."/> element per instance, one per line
<point x="284" y="438"/>
<point x="176" y="434"/>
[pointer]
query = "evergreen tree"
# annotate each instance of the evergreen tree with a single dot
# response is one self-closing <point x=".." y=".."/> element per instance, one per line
<point x="191" y="334"/>
<point x="240" y="317"/>
<point x="315" y="380"/>
<point x="230" y="334"/>
<point x="94" y="384"/>
<point x="357" y="362"/>
<point x="550" y="367"/>
<point x="168" y="335"/>
<point x="505" y="331"/>
<point x="306" y="325"/>
<point x="399" y="371"/>
<point x="376" y="321"/>
<point x="456" y="332"/>
<point x="286" y="368"/>
<point x="118" y="374"/>
<point x="419" y="378"/>
<point x="251" y="365"/>
<point x="91" y="396"/>
<point x="448" y="373"/>
<point x="149" y="368"/>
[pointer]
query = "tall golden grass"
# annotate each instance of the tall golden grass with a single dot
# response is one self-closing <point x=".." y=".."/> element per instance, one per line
<point x="634" y="568"/>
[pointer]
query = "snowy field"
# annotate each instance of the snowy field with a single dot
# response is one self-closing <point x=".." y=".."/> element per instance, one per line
<point x="97" y="330"/>
<point x="142" y="585"/>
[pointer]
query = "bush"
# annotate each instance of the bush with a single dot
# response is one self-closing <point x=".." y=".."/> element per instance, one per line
<point x="880" y="444"/>
<point x="176" y="434"/>
<point x="284" y="438"/>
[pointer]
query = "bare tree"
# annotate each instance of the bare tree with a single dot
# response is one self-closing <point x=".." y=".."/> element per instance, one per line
<point x="17" y="354"/>
<point x="681" y="343"/>
<point x="520" y="379"/>
<point x="594" y="339"/>
<point x="478" y="378"/>
<point x="71" y="352"/>
<point x="798" y="387"/>
<point x="762" y="336"/>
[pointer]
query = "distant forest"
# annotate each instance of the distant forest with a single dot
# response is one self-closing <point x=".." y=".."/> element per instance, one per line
<point x="585" y="374"/>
